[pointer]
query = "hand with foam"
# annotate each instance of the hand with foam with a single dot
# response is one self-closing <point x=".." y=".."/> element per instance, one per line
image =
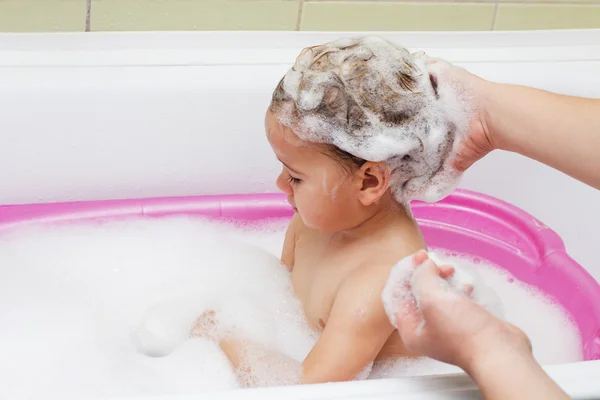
<point x="477" y="141"/>
<point x="524" y="120"/>
<point x="436" y="316"/>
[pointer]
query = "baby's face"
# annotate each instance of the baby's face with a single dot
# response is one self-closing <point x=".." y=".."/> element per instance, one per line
<point x="322" y="192"/>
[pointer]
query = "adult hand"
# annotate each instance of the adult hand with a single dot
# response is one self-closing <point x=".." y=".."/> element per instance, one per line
<point x="478" y="141"/>
<point x="557" y="130"/>
<point x="441" y="323"/>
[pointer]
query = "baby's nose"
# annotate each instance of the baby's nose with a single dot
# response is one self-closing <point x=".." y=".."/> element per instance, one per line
<point x="283" y="184"/>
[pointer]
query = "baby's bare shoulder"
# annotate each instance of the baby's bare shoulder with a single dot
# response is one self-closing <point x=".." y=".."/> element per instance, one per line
<point x="371" y="274"/>
<point x="361" y="291"/>
<point x="362" y="286"/>
<point x="379" y="254"/>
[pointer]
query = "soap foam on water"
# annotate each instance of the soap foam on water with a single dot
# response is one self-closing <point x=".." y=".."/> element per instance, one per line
<point x="74" y="299"/>
<point x="105" y="309"/>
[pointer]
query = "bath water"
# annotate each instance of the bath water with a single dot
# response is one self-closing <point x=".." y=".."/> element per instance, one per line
<point x="104" y="309"/>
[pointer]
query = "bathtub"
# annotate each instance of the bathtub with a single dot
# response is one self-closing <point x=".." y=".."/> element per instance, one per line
<point x="133" y="115"/>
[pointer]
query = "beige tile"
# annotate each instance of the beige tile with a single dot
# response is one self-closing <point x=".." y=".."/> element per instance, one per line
<point x="552" y="1"/>
<point x="134" y="15"/>
<point x="42" y="15"/>
<point x="392" y="16"/>
<point x="547" y="16"/>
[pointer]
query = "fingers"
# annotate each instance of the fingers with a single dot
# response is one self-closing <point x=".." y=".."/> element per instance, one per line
<point x="420" y="257"/>
<point x="446" y="271"/>
<point x="427" y="279"/>
<point x="414" y="280"/>
<point x="399" y="303"/>
<point x="430" y="280"/>
<point x="408" y="315"/>
<point x="468" y="290"/>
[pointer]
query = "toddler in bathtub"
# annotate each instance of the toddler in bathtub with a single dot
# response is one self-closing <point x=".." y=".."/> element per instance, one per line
<point x="360" y="128"/>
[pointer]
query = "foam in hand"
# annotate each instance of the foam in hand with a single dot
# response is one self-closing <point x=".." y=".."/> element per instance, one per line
<point x="400" y="292"/>
<point x="376" y="101"/>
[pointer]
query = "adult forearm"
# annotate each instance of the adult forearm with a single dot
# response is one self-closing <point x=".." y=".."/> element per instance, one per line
<point x="513" y="376"/>
<point x="560" y="131"/>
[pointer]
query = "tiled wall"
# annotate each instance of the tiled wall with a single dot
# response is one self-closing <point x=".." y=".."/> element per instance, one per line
<point x="324" y="15"/>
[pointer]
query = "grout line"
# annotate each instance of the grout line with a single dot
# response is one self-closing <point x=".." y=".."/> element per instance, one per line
<point x="495" y="17"/>
<point x="88" y="15"/>
<point x="300" y="9"/>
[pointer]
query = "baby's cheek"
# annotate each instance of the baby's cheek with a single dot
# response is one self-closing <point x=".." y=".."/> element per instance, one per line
<point x="312" y="211"/>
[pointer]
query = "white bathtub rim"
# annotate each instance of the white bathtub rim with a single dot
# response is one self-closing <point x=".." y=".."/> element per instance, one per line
<point x="274" y="48"/>
<point x="580" y="380"/>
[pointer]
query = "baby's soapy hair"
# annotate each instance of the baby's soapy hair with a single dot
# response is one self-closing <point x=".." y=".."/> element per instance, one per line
<point x="373" y="100"/>
<point x="348" y="161"/>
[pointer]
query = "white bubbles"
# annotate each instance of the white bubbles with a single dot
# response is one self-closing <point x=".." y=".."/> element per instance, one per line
<point x="400" y="290"/>
<point x="554" y="336"/>
<point x="106" y="309"/>
<point x="376" y="101"/>
<point x="268" y="368"/>
<point x="166" y="325"/>
<point x="467" y="277"/>
<point x="397" y="291"/>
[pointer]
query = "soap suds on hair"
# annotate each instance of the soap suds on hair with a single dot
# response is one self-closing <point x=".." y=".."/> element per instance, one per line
<point x="375" y="100"/>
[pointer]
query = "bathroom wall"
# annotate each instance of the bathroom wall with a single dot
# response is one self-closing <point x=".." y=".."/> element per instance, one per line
<point x="308" y="15"/>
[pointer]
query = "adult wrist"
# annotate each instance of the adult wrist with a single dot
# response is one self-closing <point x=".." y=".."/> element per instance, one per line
<point x="487" y="98"/>
<point x="500" y="343"/>
<point x="486" y="363"/>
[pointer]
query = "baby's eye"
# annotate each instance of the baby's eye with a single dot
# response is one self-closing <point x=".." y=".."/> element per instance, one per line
<point x="293" y="181"/>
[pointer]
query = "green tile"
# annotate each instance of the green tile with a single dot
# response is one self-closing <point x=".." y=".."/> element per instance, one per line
<point x="136" y="15"/>
<point x="548" y="16"/>
<point x="395" y="16"/>
<point x="42" y="15"/>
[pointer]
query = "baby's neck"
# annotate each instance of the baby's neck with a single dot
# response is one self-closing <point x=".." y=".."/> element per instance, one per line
<point x="388" y="217"/>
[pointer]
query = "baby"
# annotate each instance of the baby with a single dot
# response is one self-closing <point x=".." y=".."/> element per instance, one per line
<point x="360" y="128"/>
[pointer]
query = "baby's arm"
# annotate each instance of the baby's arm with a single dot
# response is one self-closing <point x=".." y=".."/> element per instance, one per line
<point x="356" y="331"/>
<point x="289" y="244"/>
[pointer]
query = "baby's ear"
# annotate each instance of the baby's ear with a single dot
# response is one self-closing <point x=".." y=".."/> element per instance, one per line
<point x="374" y="180"/>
